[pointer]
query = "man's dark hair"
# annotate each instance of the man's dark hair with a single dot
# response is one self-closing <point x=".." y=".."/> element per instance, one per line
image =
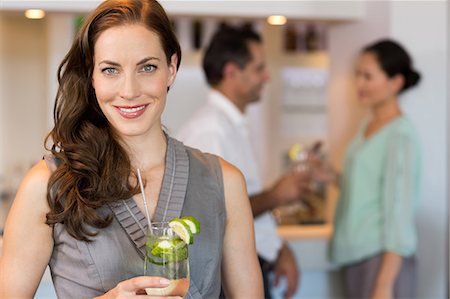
<point x="228" y="44"/>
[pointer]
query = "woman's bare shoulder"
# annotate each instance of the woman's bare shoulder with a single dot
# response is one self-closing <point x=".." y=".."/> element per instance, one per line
<point x="34" y="184"/>
<point x="234" y="185"/>
<point x="231" y="174"/>
<point x="39" y="174"/>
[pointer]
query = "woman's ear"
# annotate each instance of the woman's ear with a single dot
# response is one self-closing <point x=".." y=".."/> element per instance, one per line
<point x="398" y="82"/>
<point x="172" y="69"/>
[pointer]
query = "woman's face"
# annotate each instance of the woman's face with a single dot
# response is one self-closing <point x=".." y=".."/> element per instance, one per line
<point x="373" y="85"/>
<point x="131" y="77"/>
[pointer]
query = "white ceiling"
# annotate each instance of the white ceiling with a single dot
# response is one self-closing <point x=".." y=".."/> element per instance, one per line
<point x="332" y="10"/>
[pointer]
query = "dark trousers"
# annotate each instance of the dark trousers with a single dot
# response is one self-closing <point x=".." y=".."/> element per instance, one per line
<point x="266" y="268"/>
<point x="360" y="278"/>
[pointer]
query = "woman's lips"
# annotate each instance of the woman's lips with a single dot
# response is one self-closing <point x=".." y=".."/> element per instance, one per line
<point x="131" y="112"/>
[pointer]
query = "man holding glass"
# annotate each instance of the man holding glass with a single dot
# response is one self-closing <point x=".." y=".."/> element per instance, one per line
<point x="234" y="65"/>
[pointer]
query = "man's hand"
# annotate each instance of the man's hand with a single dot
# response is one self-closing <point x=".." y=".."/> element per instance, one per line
<point x="290" y="188"/>
<point x="286" y="266"/>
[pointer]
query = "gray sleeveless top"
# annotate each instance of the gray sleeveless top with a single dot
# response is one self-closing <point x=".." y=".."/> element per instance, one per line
<point x="192" y="186"/>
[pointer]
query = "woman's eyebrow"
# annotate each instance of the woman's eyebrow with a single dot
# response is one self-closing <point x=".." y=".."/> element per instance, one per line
<point x="144" y="60"/>
<point x="109" y="62"/>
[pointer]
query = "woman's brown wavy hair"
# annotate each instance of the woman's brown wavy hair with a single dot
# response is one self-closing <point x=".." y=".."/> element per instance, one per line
<point x="93" y="168"/>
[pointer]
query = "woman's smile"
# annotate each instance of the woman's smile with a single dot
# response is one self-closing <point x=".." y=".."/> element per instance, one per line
<point x="131" y="112"/>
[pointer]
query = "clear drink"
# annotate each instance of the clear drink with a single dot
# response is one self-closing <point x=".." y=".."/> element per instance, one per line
<point x="167" y="256"/>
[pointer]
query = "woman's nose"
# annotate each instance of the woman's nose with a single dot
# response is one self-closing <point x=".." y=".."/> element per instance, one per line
<point x="266" y="76"/>
<point x="130" y="88"/>
<point x="359" y="81"/>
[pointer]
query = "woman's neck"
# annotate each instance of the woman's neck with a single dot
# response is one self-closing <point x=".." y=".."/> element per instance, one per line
<point x="386" y="112"/>
<point x="146" y="152"/>
<point x="381" y="116"/>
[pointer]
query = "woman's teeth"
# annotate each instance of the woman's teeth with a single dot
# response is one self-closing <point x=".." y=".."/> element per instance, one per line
<point x="131" y="110"/>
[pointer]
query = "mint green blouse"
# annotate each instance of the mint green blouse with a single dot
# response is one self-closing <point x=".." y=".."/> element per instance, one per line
<point x="379" y="194"/>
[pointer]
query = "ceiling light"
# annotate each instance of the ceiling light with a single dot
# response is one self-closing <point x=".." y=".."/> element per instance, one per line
<point x="276" y="20"/>
<point x="35" y="13"/>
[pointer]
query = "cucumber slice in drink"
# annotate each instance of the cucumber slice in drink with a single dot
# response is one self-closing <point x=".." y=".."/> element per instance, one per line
<point x="175" y="256"/>
<point x="159" y="248"/>
<point x="164" y="251"/>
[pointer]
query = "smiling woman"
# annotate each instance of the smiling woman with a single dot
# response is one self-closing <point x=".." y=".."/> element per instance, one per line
<point x="130" y="79"/>
<point x="81" y="210"/>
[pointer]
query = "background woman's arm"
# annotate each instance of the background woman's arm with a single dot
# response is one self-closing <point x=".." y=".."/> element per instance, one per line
<point x="400" y="196"/>
<point x="387" y="275"/>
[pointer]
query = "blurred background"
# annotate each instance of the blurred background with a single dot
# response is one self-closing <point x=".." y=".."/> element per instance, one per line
<point x="310" y="56"/>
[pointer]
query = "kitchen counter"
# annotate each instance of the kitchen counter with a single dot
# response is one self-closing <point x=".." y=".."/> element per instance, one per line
<point x="310" y="244"/>
<point x="305" y="232"/>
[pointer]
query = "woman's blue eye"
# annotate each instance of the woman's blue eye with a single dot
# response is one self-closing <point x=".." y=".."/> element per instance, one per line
<point x="148" y="68"/>
<point x="109" y="71"/>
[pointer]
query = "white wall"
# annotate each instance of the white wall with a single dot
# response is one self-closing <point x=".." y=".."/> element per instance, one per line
<point x="60" y="32"/>
<point x="427" y="106"/>
<point x="30" y="53"/>
<point x="422" y="27"/>
<point x="2" y="110"/>
<point x="23" y="92"/>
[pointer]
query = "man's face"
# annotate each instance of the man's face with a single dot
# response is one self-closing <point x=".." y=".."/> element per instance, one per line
<point x="253" y="76"/>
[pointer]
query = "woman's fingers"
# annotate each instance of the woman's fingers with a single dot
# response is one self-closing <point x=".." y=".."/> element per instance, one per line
<point x="142" y="282"/>
<point x="134" y="288"/>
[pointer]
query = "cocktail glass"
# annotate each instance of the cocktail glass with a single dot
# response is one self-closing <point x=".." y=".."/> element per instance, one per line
<point x="166" y="255"/>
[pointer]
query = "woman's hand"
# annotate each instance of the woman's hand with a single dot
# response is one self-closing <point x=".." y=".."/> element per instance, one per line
<point x="382" y="292"/>
<point x="135" y="288"/>
<point x="390" y="267"/>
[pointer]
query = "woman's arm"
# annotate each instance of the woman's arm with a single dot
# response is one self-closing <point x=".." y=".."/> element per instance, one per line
<point x="400" y="195"/>
<point x="27" y="240"/>
<point x="387" y="275"/>
<point x="240" y="268"/>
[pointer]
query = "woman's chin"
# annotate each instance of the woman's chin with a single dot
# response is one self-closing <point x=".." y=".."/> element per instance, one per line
<point x="364" y="102"/>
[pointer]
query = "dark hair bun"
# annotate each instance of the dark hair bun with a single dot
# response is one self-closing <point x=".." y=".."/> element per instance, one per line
<point x="412" y="78"/>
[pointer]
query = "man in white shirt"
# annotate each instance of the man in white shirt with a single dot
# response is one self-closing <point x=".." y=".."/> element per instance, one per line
<point x="234" y="65"/>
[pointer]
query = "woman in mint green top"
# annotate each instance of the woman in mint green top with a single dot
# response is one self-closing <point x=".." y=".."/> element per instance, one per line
<point x="379" y="193"/>
<point x="374" y="234"/>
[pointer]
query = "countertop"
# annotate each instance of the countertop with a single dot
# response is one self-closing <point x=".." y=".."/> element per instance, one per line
<point x="305" y="232"/>
<point x="310" y="244"/>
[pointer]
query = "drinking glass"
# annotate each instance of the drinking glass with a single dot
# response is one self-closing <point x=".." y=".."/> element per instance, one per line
<point x="166" y="255"/>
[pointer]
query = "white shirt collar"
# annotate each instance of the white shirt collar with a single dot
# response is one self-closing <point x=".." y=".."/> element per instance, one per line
<point x="220" y="101"/>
